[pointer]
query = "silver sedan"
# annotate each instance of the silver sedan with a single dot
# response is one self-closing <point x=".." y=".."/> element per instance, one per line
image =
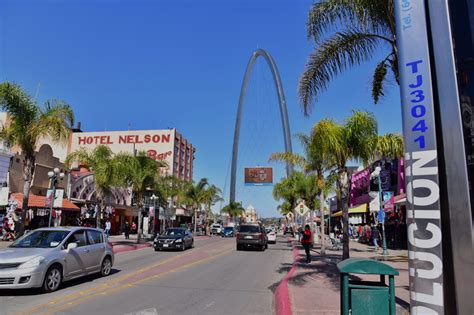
<point x="46" y="257"/>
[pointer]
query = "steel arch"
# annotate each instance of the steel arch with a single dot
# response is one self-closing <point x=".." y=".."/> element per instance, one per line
<point x="283" y="114"/>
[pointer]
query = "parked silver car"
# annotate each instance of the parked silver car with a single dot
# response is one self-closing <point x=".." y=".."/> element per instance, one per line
<point x="46" y="257"/>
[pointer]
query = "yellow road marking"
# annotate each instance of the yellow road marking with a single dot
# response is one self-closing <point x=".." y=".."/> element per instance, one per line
<point x="125" y="286"/>
<point x="108" y="284"/>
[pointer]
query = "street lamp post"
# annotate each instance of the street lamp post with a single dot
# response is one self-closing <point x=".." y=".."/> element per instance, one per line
<point x="376" y="173"/>
<point x="53" y="176"/>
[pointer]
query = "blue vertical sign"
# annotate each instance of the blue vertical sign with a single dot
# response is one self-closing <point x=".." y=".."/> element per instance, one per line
<point x="421" y="159"/>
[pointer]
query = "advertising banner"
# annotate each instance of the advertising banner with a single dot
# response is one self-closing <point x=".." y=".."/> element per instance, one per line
<point x="58" y="200"/>
<point x="258" y="176"/>
<point x="374" y="204"/>
<point x="4" y="196"/>
<point x="421" y="159"/>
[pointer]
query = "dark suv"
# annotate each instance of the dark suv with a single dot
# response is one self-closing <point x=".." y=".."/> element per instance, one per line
<point x="251" y="235"/>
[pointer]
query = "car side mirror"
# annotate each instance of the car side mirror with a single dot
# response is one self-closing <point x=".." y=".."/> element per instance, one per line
<point x="71" y="246"/>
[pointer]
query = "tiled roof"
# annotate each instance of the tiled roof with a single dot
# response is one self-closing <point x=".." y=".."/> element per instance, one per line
<point x="35" y="201"/>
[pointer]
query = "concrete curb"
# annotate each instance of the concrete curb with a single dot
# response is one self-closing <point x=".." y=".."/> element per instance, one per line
<point x="282" y="295"/>
<point x="127" y="248"/>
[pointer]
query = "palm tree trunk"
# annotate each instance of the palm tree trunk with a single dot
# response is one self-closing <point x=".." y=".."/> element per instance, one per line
<point x="195" y="221"/>
<point x="139" y="228"/>
<point x="321" y="207"/>
<point x="99" y="213"/>
<point x="343" y="188"/>
<point x="28" y="170"/>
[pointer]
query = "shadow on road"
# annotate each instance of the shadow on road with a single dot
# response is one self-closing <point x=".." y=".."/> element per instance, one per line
<point x="65" y="285"/>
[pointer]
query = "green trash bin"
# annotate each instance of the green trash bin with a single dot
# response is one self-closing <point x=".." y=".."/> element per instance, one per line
<point x="367" y="297"/>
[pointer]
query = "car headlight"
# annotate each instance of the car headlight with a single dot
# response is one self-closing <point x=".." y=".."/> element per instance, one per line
<point x="178" y="240"/>
<point x="35" y="262"/>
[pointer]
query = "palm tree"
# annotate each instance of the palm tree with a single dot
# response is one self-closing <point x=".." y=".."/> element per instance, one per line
<point x="195" y="194"/>
<point x="211" y="195"/>
<point x="28" y="123"/>
<point x="363" y="27"/>
<point x="316" y="161"/>
<point x="102" y="163"/>
<point x="389" y="146"/>
<point x="140" y="173"/>
<point x="233" y="209"/>
<point x="351" y="141"/>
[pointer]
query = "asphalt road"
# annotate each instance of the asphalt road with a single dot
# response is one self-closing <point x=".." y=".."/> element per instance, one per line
<point x="212" y="278"/>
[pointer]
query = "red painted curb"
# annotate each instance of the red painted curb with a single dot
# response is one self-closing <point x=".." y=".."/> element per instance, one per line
<point x="127" y="248"/>
<point x="282" y="295"/>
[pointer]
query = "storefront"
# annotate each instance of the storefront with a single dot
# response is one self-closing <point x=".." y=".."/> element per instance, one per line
<point x="37" y="215"/>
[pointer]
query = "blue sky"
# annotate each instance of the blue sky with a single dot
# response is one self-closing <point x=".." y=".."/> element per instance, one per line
<point x="160" y="64"/>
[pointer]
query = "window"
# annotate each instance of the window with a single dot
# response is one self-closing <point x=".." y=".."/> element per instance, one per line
<point x="78" y="238"/>
<point x="249" y="229"/>
<point x="95" y="237"/>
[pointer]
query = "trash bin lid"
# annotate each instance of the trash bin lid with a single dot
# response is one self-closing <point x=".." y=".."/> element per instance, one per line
<point x="366" y="266"/>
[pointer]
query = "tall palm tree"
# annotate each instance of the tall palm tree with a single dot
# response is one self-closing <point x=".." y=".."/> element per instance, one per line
<point x="317" y="159"/>
<point x="140" y="173"/>
<point x="211" y="195"/>
<point x="28" y="123"/>
<point x="102" y="163"/>
<point x="363" y="27"/>
<point x="352" y="140"/>
<point x="195" y="194"/>
<point x="233" y="209"/>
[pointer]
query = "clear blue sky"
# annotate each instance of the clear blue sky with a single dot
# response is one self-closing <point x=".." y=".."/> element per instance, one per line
<point x="160" y="64"/>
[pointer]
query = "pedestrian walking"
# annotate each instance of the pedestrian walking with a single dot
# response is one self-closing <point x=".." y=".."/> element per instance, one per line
<point x="375" y="237"/>
<point x="127" y="230"/>
<point x="306" y="239"/>
<point x="108" y="226"/>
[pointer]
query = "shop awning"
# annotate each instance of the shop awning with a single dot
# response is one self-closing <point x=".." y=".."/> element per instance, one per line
<point x="400" y="199"/>
<point x="352" y="210"/>
<point x="35" y="201"/>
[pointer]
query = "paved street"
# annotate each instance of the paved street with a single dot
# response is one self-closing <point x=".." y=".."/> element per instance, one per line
<point x="212" y="278"/>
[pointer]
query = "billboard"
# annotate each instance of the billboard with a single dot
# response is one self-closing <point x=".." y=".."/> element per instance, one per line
<point x="258" y="176"/>
<point x="158" y="144"/>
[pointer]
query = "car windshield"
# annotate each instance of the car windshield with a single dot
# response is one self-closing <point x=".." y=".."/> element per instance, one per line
<point x="172" y="232"/>
<point x="228" y="229"/>
<point x="249" y="229"/>
<point x="41" y="239"/>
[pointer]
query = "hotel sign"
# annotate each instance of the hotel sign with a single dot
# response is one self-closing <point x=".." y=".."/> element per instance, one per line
<point x="158" y="144"/>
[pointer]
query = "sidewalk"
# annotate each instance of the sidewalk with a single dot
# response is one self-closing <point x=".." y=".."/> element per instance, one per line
<point x="314" y="288"/>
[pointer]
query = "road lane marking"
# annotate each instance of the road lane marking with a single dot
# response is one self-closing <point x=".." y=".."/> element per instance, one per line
<point x="114" y="281"/>
<point x="125" y="286"/>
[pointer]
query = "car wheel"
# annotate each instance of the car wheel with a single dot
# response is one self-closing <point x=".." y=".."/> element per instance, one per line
<point x="262" y="248"/>
<point x="183" y="246"/>
<point x="157" y="249"/>
<point x="106" y="267"/>
<point x="52" y="279"/>
<point x="266" y="245"/>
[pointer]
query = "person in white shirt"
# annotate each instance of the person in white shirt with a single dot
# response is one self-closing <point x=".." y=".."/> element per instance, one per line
<point x="108" y="226"/>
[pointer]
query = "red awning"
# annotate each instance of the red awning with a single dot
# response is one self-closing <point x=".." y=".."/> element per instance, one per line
<point x="35" y="201"/>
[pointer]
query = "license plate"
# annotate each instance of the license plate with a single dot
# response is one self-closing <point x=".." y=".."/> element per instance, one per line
<point x="248" y="237"/>
<point x="165" y="245"/>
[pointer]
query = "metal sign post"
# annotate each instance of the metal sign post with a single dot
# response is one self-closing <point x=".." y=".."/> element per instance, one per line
<point x="421" y="160"/>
